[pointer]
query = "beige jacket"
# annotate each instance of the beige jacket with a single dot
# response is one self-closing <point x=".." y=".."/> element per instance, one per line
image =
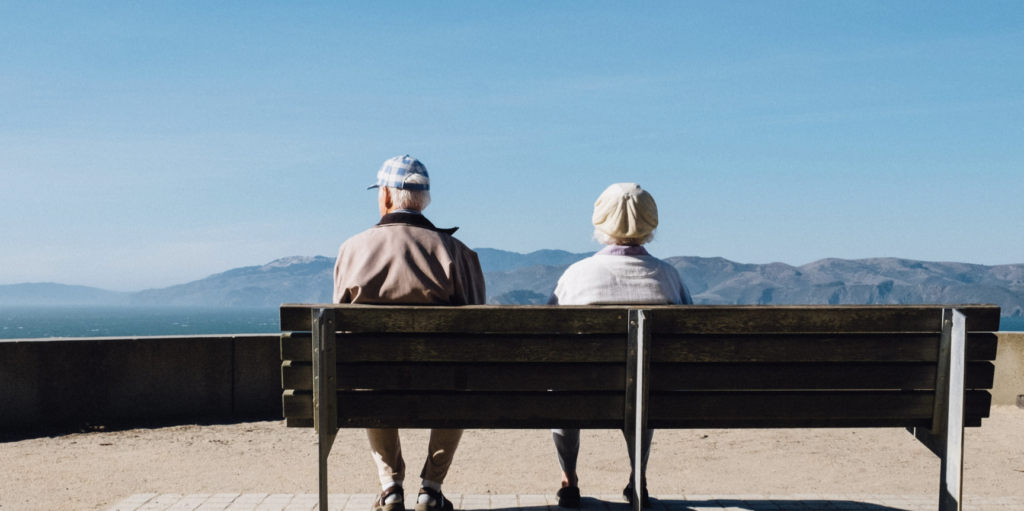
<point x="406" y="260"/>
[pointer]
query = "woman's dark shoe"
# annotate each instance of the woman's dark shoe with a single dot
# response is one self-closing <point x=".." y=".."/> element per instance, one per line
<point x="569" y="497"/>
<point x="645" y="499"/>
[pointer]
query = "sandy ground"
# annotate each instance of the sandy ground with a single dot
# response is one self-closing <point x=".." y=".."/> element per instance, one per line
<point x="96" y="470"/>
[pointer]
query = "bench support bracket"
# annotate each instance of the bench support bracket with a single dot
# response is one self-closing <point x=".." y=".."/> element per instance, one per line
<point x="946" y="438"/>
<point x="637" y="370"/>
<point x="325" y="390"/>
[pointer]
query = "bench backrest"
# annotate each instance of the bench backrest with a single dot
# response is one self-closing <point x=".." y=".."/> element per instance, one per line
<point x="704" y="366"/>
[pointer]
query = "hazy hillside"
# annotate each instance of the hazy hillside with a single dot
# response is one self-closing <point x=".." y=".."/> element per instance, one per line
<point x="292" y="279"/>
<point x="716" y="280"/>
<point x="310" y="279"/>
<point x="860" y="281"/>
<point x="49" y="293"/>
<point x="530" y="278"/>
<point x="529" y="285"/>
<point x="494" y="260"/>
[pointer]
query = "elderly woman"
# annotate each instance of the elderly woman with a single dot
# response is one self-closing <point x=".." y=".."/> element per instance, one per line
<point x="625" y="217"/>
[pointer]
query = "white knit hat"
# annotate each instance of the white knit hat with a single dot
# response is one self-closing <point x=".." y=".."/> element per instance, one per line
<point x="625" y="211"/>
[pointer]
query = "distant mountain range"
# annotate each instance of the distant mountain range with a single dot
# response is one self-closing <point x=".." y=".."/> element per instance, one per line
<point x="49" y="293"/>
<point x="295" y="279"/>
<point x="514" y="278"/>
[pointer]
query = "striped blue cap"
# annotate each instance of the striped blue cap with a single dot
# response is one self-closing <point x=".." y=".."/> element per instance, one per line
<point x="395" y="171"/>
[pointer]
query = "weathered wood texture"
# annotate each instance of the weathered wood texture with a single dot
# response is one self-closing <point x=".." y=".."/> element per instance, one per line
<point x="358" y="409"/>
<point x="816" y="318"/>
<point x="466" y="348"/>
<point x="605" y="409"/>
<point x="791" y="423"/>
<point x="664" y="319"/>
<point x="711" y="366"/>
<point x="949" y="419"/>
<point x="607" y="376"/>
<point x="885" y="347"/>
<point x="462" y="376"/>
<point x="468" y="319"/>
<point x="638" y="363"/>
<point x="810" y="376"/>
<point x="805" y="405"/>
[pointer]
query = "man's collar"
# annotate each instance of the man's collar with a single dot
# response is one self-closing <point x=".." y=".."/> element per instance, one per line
<point x="414" y="220"/>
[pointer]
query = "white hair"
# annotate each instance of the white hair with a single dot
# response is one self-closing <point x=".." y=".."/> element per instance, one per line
<point x="408" y="199"/>
<point x="612" y="240"/>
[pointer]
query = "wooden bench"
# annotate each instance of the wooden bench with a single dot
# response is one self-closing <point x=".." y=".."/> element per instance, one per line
<point x="920" y="367"/>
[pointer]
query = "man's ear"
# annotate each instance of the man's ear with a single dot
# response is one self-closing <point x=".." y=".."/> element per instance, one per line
<point x="387" y="197"/>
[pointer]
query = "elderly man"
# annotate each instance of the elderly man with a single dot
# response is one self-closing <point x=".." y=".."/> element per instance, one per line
<point x="404" y="259"/>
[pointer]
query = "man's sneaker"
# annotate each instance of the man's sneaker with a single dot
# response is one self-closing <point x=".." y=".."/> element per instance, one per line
<point x="397" y="505"/>
<point x="440" y="502"/>
<point x="645" y="499"/>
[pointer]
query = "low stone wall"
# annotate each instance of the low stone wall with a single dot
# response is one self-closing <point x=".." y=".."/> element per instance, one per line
<point x="1009" y="379"/>
<point x="57" y="383"/>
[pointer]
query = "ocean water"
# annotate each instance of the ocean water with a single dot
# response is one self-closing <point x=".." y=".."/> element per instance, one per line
<point x="97" y="321"/>
<point x="1012" y="324"/>
<point x="37" y="322"/>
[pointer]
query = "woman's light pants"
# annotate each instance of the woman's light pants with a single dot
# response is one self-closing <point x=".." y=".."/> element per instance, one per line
<point x="386" y="448"/>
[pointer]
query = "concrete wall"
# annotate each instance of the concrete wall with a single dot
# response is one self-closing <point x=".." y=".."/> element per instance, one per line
<point x="1009" y="378"/>
<point x="70" y="382"/>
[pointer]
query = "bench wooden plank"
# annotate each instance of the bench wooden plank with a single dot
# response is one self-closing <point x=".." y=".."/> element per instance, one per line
<point x="455" y="376"/>
<point x="817" y="318"/>
<point x="886" y="347"/>
<point x="810" y="376"/>
<point x="605" y="410"/>
<point x="692" y="376"/>
<point x="812" y="348"/>
<point x="466" y="319"/>
<point x="465" y="348"/>
<point x="468" y="409"/>
<point x="747" y="405"/>
<point x="972" y="422"/>
<point x="664" y="319"/>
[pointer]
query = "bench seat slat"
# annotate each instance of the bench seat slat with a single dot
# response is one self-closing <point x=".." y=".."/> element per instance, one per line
<point x="665" y="319"/>
<point x="691" y="376"/>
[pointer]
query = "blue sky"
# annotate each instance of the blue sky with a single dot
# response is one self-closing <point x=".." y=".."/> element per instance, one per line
<point x="147" y="144"/>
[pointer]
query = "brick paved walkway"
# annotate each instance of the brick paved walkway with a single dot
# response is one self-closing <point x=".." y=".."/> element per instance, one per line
<point x="362" y="502"/>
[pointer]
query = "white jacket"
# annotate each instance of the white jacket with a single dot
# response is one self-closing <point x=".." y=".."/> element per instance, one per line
<point x="613" y="277"/>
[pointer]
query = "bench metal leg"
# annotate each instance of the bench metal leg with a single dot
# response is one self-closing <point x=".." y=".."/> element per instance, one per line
<point x="325" y="391"/>
<point x="637" y="366"/>
<point x="946" y="438"/>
